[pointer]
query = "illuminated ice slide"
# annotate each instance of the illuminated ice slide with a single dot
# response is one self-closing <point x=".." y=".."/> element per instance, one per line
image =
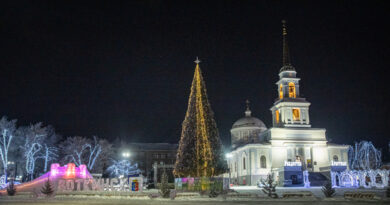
<point x="56" y="173"/>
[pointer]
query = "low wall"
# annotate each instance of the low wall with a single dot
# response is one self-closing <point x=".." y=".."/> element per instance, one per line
<point x="201" y="183"/>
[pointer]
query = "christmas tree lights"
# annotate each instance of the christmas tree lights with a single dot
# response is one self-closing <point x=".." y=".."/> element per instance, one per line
<point x="200" y="149"/>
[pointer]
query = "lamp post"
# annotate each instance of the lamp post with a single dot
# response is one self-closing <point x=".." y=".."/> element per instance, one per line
<point x="228" y="156"/>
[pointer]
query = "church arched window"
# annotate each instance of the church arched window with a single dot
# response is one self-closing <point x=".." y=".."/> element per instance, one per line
<point x="335" y="158"/>
<point x="296" y="114"/>
<point x="291" y="90"/>
<point x="281" y="91"/>
<point x="263" y="162"/>
<point x="243" y="163"/>
<point x="277" y="116"/>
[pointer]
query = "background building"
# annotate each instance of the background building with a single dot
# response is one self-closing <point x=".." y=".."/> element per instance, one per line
<point x="148" y="155"/>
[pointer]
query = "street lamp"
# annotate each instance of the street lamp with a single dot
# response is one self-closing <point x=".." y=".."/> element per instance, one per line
<point x="228" y="156"/>
<point x="126" y="154"/>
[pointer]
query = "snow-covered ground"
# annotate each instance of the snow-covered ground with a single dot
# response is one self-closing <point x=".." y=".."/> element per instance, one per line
<point x="104" y="201"/>
<point x="246" y="195"/>
<point x="315" y="190"/>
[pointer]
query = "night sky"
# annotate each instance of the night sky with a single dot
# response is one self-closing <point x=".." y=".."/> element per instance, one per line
<point x="124" y="69"/>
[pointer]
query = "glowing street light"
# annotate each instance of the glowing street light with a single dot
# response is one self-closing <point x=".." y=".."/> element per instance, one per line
<point x="126" y="154"/>
<point x="228" y="155"/>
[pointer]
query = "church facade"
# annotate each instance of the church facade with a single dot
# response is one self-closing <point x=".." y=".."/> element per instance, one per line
<point x="290" y="146"/>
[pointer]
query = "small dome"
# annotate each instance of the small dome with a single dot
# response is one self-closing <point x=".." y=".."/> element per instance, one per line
<point x="249" y="121"/>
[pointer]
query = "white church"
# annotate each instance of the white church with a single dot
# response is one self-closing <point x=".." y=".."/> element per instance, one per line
<point x="290" y="146"/>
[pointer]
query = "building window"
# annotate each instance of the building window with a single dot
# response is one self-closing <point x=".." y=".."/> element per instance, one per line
<point x="277" y="116"/>
<point x="291" y="90"/>
<point x="243" y="163"/>
<point x="335" y="158"/>
<point x="263" y="162"/>
<point x="281" y="91"/>
<point x="296" y="114"/>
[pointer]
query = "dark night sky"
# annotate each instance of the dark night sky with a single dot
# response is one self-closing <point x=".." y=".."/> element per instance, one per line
<point x="125" y="69"/>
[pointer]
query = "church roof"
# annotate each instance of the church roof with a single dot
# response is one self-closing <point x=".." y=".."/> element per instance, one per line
<point x="248" y="120"/>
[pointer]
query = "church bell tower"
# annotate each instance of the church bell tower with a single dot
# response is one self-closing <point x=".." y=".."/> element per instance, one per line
<point x="289" y="110"/>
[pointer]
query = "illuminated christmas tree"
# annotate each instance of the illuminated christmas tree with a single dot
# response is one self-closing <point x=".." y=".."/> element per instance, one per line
<point x="200" y="149"/>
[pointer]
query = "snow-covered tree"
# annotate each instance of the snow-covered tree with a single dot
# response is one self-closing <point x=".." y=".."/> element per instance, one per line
<point x="7" y="133"/>
<point x="123" y="167"/>
<point x="34" y="137"/>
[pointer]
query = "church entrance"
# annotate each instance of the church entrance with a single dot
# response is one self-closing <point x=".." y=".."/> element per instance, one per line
<point x="294" y="179"/>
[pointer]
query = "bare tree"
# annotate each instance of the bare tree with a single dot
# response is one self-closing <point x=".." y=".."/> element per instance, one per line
<point x="81" y="150"/>
<point x="74" y="149"/>
<point x="49" y="154"/>
<point x="50" y="151"/>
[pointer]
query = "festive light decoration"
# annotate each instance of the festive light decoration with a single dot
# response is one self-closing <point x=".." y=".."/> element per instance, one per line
<point x="7" y="130"/>
<point x="306" y="181"/>
<point x="93" y="151"/>
<point x="50" y="154"/>
<point x="70" y="170"/>
<point x="123" y="167"/>
<point x="364" y="156"/>
<point x="53" y="169"/>
<point x="362" y="178"/>
<point x="34" y="137"/>
<point x="200" y="149"/>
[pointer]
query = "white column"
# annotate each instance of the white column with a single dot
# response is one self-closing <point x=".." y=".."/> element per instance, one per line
<point x="307" y="116"/>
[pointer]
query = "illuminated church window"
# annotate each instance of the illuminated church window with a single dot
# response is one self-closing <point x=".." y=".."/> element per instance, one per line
<point x="296" y="114"/>
<point x="335" y="158"/>
<point x="281" y="92"/>
<point x="277" y="116"/>
<point x="263" y="162"/>
<point x="291" y="90"/>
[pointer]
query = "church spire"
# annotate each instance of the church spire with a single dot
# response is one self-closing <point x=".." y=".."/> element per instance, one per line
<point x="248" y="112"/>
<point x="286" y="55"/>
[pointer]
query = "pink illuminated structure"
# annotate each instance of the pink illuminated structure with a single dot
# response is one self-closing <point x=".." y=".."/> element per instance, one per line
<point x="56" y="173"/>
<point x="69" y="171"/>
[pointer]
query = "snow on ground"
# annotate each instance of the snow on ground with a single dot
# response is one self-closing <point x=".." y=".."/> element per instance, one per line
<point x="104" y="201"/>
<point x="253" y="196"/>
<point x="315" y="190"/>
